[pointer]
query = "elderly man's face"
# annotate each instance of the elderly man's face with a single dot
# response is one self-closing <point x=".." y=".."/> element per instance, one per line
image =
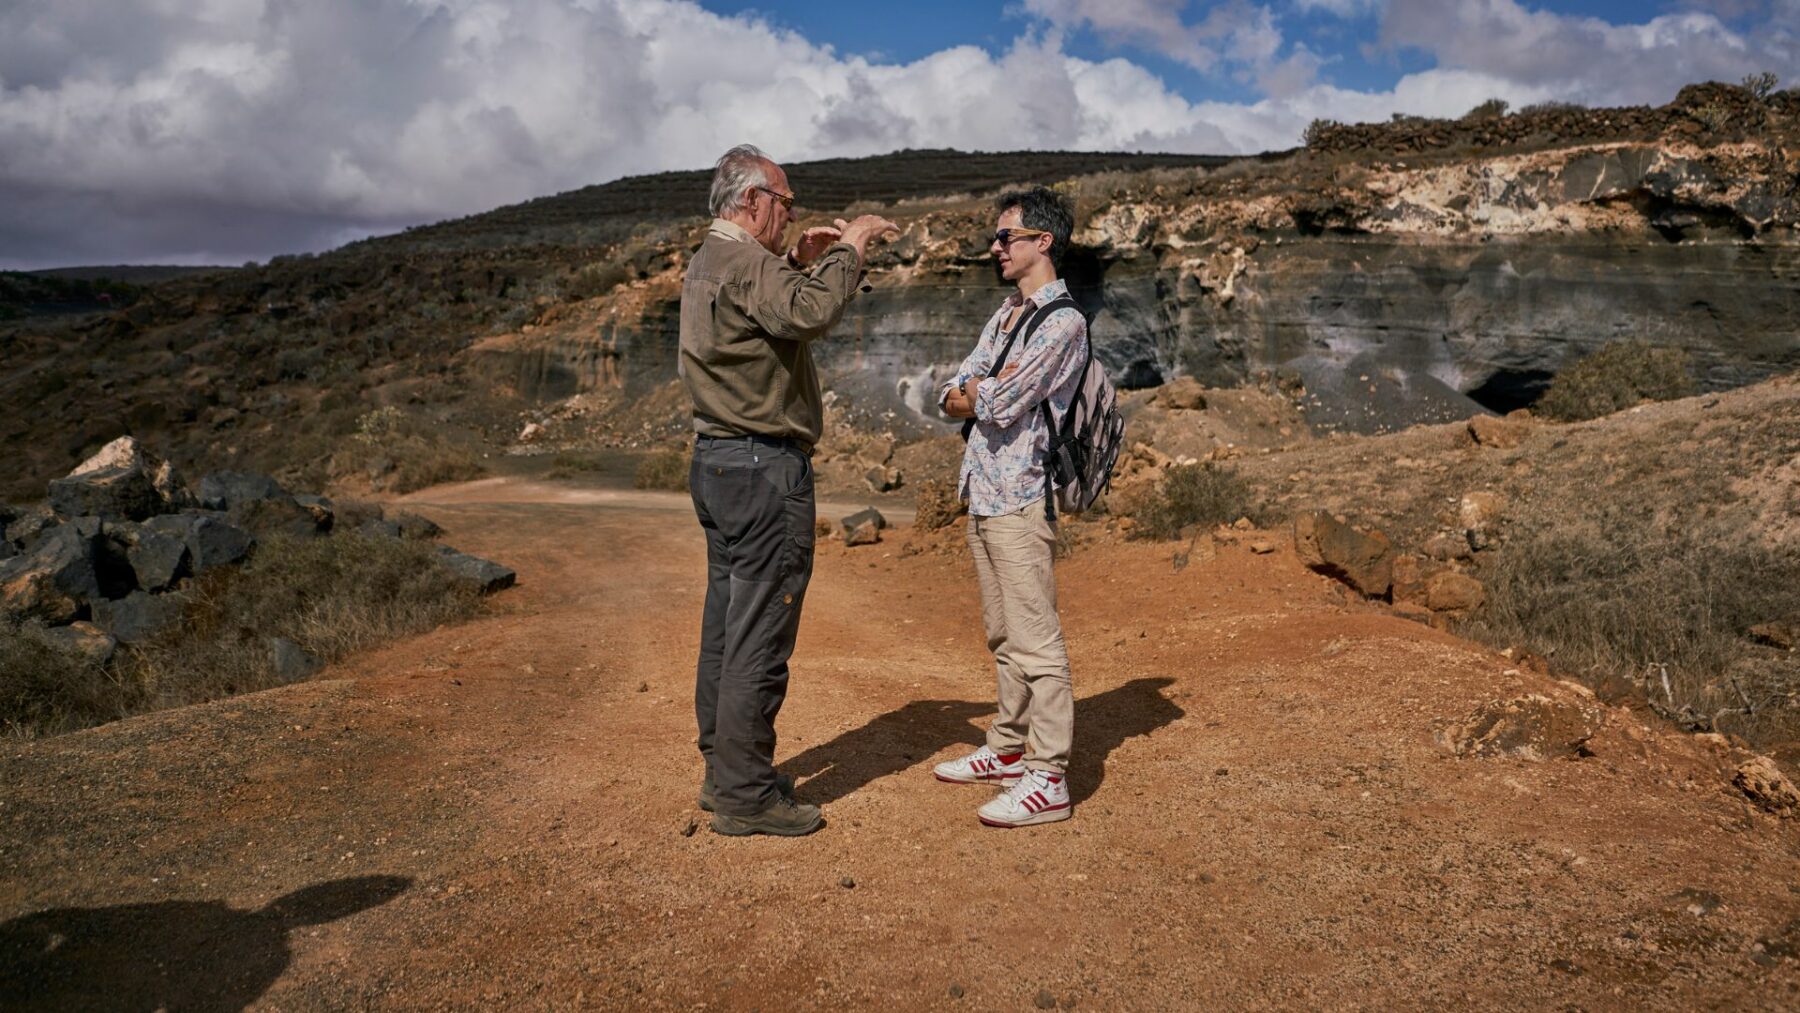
<point x="770" y="210"/>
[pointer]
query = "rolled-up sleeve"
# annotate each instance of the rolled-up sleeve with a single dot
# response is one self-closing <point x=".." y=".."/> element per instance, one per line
<point x="1056" y="351"/>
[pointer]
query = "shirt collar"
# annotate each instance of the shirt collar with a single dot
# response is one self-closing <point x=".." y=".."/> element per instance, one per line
<point x="732" y="231"/>
<point x="1043" y="295"/>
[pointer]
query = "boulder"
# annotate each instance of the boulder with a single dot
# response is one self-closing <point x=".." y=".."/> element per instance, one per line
<point x="1480" y="510"/>
<point x="1409" y="579"/>
<point x="137" y="617"/>
<point x="1446" y="546"/>
<point x="283" y="515"/>
<point x="378" y="528"/>
<point x="86" y="641"/>
<point x="411" y="525"/>
<point x="1450" y="591"/>
<point x="120" y="481"/>
<point x="24" y="530"/>
<point x="211" y="539"/>
<point x="323" y="515"/>
<point x="1764" y="784"/>
<point x="158" y="558"/>
<point x="1498" y="433"/>
<point x="1362" y="559"/>
<point x="291" y="662"/>
<point x="1531" y="727"/>
<point x="223" y="490"/>
<point x="55" y="580"/>
<point x="125" y="493"/>
<point x="487" y="577"/>
<point x="1183" y="393"/>
<point x="863" y="527"/>
<point x="881" y="478"/>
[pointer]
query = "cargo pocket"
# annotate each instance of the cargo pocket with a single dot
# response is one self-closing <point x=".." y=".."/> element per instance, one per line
<point x="800" y="516"/>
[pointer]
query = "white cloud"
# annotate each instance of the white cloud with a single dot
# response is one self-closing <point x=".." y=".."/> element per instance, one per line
<point x="223" y="129"/>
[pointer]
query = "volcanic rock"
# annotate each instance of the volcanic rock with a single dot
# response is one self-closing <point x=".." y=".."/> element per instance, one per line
<point x="1363" y="560"/>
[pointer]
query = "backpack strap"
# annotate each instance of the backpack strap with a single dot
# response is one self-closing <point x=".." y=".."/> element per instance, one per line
<point x="1026" y="325"/>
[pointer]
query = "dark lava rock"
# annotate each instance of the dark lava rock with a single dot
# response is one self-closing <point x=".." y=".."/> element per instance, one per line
<point x="55" y="580"/>
<point x="487" y="577"/>
<point x="223" y="490"/>
<point x="211" y="539"/>
<point x="413" y="526"/>
<point x="158" y="558"/>
<point x="138" y="616"/>
<point x="120" y="492"/>
<point x="291" y="662"/>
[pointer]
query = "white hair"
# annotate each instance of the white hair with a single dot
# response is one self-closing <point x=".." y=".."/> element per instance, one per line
<point x="737" y="170"/>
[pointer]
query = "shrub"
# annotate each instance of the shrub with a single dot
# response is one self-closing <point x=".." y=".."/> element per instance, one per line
<point x="570" y="463"/>
<point x="44" y="690"/>
<point x="1762" y="85"/>
<point x="1618" y="376"/>
<point x="331" y="596"/>
<point x="1605" y="592"/>
<point x="1492" y="109"/>
<point x="1191" y="494"/>
<point x="396" y="452"/>
<point x="1316" y="131"/>
<point x="937" y="505"/>
<point x="666" y="468"/>
<point x="596" y="280"/>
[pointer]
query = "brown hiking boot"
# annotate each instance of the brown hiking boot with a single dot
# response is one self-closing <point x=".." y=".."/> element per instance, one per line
<point x="784" y="818"/>
<point x="783" y="784"/>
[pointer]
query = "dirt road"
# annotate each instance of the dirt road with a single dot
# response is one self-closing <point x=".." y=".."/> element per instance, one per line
<point x="501" y="814"/>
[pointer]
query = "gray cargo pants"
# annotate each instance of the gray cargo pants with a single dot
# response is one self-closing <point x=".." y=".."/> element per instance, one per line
<point x="754" y="497"/>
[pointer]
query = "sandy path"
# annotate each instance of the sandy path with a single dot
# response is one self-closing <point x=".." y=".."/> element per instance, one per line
<point x="494" y="815"/>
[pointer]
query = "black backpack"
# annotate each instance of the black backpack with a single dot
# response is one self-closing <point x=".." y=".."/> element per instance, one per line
<point x="1084" y="447"/>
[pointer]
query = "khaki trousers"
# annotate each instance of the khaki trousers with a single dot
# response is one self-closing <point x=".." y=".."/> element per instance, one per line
<point x="1013" y="556"/>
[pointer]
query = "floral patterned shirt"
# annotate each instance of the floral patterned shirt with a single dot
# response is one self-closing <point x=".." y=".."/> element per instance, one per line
<point x="1003" y="465"/>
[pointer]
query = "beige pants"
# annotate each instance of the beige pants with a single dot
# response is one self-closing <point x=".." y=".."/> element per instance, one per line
<point x="1018" y="607"/>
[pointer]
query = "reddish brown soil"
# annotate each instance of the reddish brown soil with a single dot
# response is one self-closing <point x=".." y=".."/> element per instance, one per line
<point x="1265" y="816"/>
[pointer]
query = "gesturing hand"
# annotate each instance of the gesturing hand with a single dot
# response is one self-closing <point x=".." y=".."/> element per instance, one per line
<point x="815" y="241"/>
<point x="867" y="227"/>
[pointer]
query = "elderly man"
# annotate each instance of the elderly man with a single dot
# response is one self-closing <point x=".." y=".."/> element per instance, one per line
<point x="748" y="316"/>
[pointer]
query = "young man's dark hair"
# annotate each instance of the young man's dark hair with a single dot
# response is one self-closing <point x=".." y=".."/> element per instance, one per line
<point x="1042" y="208"/>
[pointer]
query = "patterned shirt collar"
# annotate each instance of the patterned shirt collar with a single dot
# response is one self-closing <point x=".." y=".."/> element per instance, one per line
<point x="1043" y="295"/>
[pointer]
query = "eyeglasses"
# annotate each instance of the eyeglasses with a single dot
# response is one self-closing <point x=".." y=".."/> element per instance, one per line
<point x="1005" y="236"/>
<point x="785" y="199"/>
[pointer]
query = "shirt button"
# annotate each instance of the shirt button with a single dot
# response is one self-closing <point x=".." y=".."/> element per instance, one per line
<point x="787" y="599"/>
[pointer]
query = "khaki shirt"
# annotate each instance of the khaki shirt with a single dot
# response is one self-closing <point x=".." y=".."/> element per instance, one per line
<point x="746" y="321"/>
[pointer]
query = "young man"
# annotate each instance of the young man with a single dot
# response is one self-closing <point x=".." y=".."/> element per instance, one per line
<point x="748" y="317"/>
<point x="1012" y="533"/>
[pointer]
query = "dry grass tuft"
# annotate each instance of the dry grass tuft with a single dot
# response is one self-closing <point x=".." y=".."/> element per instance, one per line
<point x="330" y="596"/>
<point x="397" y="452"/>
<point x="1618" y="376"/>
<point x="665" y="469"/>
<point x="1205" y="493"/>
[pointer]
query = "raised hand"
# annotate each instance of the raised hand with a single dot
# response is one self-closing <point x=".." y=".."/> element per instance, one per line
<point x="867" y="227"/>
<point x="815" y="241"/>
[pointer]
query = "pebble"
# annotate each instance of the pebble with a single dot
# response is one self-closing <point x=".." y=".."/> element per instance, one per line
<point x="1044" y="999"/>
<point x="846" y="882"/>
<point x="643" y="687"/>
<point x="956" y="991"/>
<point x="688" y="830"/>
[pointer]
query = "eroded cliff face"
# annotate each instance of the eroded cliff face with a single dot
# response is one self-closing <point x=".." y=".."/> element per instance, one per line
<point x="1395" y="293"/>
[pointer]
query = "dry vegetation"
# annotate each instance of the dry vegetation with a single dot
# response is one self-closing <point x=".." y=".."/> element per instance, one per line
<point x="329" y="596"/>
<point x="665" y="468"/>
<point x="1202" y="494"/>
<point x="394" y="451"/>
<point x="1618" y="376"/>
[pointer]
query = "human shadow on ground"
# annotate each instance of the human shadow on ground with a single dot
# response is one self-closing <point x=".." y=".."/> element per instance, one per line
<point x="899" y="739"/>
<point x="172" y="955"/>
<point x="887" y="744"/>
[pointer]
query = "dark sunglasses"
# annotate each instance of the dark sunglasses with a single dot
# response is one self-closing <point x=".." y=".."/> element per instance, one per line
<point x="1005" y="236"/>
<point x="786" y="199"/>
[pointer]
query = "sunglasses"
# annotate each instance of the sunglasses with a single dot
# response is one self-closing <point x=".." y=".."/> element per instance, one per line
<point x="785" y="199"/>
<point x="1005" y="236"/>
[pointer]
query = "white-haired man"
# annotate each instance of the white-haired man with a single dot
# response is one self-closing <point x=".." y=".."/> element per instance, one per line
<point x="748" y="315"/>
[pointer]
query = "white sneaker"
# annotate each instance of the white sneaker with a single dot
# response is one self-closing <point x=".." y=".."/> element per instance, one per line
<point x="980" y="767"/>
<point x="1038" y="797"/>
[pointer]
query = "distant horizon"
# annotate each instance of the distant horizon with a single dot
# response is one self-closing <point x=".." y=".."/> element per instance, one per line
<point x="244" y="130"/>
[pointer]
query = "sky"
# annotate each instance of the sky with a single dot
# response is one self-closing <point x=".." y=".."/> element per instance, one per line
<point x="223" y="131"/>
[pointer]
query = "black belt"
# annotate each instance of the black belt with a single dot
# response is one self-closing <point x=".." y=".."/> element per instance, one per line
<point x="757" y="440"/>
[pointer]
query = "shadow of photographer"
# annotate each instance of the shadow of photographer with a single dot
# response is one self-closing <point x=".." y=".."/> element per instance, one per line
<point x="174" y="955"/>
<point x="901" y="738"/>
